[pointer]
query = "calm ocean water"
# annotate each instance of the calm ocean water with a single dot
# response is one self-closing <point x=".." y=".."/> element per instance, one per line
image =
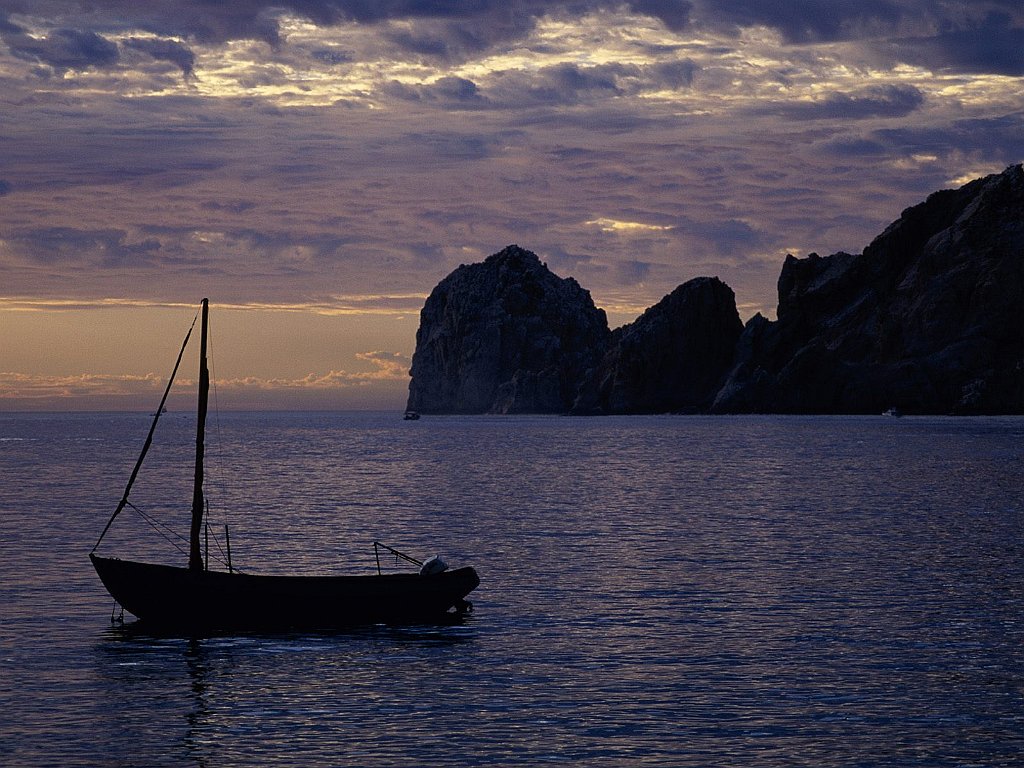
<point x="675" y="591"/>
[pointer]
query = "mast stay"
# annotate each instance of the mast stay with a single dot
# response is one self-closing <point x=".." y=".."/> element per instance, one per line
<point x="149" y="438"/>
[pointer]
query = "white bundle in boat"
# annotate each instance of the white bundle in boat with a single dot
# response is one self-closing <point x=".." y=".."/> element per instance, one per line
<point x="432" y="565"/>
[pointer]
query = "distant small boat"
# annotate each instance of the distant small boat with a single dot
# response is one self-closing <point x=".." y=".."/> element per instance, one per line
<point x="198" y="598"/>
<point x="894" y="412"/>
<point x="411" y="416"/>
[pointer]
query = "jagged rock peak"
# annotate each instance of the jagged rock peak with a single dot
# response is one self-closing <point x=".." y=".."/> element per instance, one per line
<point x="506" y="335"/>
<point x="513" y="257"/>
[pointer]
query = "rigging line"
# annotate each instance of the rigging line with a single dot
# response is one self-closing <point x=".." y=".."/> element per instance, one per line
<point x="155" y="522"/>
<point x="149" y="439"/>
<point x="223" y="557"/>
<point x="163" y="535"/>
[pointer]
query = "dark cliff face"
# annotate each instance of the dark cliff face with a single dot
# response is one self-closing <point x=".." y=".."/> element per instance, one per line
<point x="672" y="358"/>
<point x="926" y="319"/>
<point x="505" y="336"/>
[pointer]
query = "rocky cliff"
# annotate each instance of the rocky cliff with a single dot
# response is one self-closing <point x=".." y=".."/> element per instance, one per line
<point x="927" y="319"/>
<point x="505" y="336"/>
<point x="672" y="358"/>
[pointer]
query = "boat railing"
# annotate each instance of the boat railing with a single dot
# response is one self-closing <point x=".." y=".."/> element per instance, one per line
<point x="378" y="546"/>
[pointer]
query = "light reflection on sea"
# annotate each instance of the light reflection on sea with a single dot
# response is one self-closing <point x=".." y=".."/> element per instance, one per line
<point x="678" y="591"/>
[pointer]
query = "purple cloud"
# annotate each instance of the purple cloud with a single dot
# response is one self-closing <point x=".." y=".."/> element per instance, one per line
<point x="994" y="46"/>
<point x="165" y="50"/>
<point x="877" y="101"/>
<point x="982" y="37"/>
<point x="63" y="49"/>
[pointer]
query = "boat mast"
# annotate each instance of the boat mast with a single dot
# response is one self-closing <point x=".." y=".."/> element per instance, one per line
<point x="195" y="555"/>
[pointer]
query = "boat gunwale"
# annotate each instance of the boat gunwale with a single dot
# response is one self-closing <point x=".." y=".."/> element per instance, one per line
<point x="279" y="577"/>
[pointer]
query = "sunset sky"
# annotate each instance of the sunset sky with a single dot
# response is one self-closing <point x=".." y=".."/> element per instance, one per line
<point x="315" y="167"/>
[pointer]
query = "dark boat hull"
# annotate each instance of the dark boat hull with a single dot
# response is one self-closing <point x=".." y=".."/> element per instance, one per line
<point x="168" y="596"/>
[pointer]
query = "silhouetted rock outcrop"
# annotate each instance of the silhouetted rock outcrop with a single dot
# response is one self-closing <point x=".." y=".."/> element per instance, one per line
<point x="672" y="358"/>
<point x="926" y="319"/>
<point x="505" y="336"/>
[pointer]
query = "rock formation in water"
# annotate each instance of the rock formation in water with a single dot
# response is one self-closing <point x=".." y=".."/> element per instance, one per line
<point x="927" y="319"/>
<point x="505" y="336"/>
<point x="672" y="358"/>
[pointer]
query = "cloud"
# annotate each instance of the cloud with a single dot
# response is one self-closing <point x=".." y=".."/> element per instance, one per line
<point x="438" y="28"/>
<point x="31" y="387"/>
<point x="877" y="101"/>
<point x="453" y="40"/>
<point x="563" y="84"/>
<point x="855" y="147"/>
<point x="453" y="31"/>
<point x="804" y="21"/>
<point x="996" y="46"/>
<point x="63" y="49"/>
<point x="559" y="84"/>
<point x="449" y="90"/>
<point x="125" y="390"/>
<point x="727" y="236"/>
<point x="199" y="20"/>
<point x="165" y="50"/>
<point x="231" y="206"/>
<point x="451" y="145"/>
<point x="995" y="142"/>
<point x="331" y="306"/>
<point x="105" y="248"/>
<point x="331" y="56"/>
<point x="567" y="83"/>
<point x="388" y="367"/>
<point x="674" y="14"/>
<point x="632" y="272"/>
<point x="978" y="37"/>
<point x="672" y="75"/>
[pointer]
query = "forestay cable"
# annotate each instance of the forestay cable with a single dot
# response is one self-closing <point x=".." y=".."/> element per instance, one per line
<point x="149" y="438"/>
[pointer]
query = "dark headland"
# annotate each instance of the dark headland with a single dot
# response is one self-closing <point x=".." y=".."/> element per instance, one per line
<point x="927" y="319"/>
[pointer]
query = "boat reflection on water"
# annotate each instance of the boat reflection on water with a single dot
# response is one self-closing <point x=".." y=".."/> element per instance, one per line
<point x="211" y="698"/>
